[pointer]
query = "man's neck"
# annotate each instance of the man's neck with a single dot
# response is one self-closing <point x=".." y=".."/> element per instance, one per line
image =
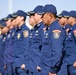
<point x="52" y="21"/>
<point x="73" y="23"/>
<point x="21" y="23"/>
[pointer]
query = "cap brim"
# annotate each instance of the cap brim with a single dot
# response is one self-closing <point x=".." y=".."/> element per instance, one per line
<point x="14" y="16"/>
<point x="10" y="18"/>
<point x="1" y="26"/>
<point x="5" y="19"/>
<point x="66" y="16"/>
<point x="59" y="16"/>
<point x="30" y="13"/>
<point x="40" y="13"/>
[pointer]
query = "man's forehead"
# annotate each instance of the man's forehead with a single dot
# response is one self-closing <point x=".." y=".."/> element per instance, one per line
<point x="47" y="13"/>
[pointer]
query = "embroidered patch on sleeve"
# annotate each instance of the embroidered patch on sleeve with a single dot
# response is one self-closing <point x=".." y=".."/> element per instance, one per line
<point x="56" y="34"/>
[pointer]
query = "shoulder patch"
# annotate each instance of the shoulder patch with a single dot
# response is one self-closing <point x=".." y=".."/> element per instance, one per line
<point x="25" y="33"/>
<point x="56" y="33"/>
<point x="74" y="33"/>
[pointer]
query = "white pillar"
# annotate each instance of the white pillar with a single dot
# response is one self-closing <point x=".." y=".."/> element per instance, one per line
<point x="10" y="6"/>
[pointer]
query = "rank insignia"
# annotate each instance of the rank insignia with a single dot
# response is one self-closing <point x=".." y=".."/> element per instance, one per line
<point x="18" y="36"/>
<point x="46" y="35"/>
<point x="8" y="35"/>
<point x="13" y="34"/>
<point x="56" y="34"/>
<point x="4" y="38"/>
<point x="37" y="31"/>
<point x="25" y="33"/>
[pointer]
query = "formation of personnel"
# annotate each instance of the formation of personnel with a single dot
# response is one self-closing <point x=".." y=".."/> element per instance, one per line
<point x="48" y="48"/>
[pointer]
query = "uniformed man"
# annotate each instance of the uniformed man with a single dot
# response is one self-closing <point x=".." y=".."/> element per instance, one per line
<point x="20" y="43"/>
<point x="1" y="50"/>
<point x="35" y="44"/>
<point x="4" y="33"/>
<point x="13" y="29"/>
<point x="7" y="57"/>
<point x="67" y="67"/>
<point x="63" y="17"/>
<point x="32" y="23"/>
<point x="70" y="45"/>
<point x="52" y="42"/>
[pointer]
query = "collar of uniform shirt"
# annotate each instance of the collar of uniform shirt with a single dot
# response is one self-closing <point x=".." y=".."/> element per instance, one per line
<point x="38" y="25"/>
<point x="21" y="26"/>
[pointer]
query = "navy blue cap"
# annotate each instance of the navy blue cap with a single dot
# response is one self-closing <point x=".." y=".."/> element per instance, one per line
<point x="72" y="14"/>
<point x="38" y="9"/>
<point x="2" y="25"/>
<point x="50" y="8"/>
<point x="8" y="17"/>
<point x="19" y="13"/>
<point x="1" y="21"/>
<point x="14" y="15"/>
<point x="64" y="14"/>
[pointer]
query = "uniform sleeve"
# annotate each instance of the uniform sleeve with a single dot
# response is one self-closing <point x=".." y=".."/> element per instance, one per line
<point x="73" y="55"/>
<point x="74" y="32"/>
<point x="57" y="38"/>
